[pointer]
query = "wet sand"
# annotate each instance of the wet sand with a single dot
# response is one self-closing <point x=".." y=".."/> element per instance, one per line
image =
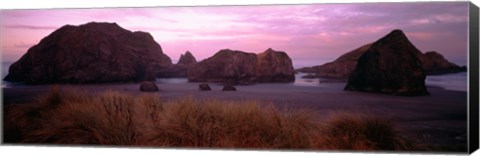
<point x="439" y="119"/>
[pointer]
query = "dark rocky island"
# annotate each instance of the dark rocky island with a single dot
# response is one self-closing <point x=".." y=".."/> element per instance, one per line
<point x="180" y="69"/>
<point x="237" y="67"/>
<point x="391" y="65"/>
<point x="433" y="63"/>
<point x="90" y="53"/>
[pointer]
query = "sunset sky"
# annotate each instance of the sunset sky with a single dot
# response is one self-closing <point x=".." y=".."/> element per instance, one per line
<point x="310" y="34"/>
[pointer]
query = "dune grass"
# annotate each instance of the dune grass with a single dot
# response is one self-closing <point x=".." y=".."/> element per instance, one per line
<point x="68" y="116"/>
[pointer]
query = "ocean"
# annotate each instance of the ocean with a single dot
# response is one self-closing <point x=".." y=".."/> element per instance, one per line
<point x="455" y="81"/>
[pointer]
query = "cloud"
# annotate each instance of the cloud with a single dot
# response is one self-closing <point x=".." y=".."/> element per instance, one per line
<point x="31" y="27"/>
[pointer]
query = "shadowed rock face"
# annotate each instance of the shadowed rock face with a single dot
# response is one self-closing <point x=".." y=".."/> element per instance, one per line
<point x="341" y="67"/>
<point x="90" y="53"/>
<point x="148" y="86"/>
<point x="239" y="67"/>
<point x="432" y="63"/>
<point x="180" y="69"/>
<point x="187" y="59"/>
<point x="390" y="65"/>
<point x="273" y="66"/>
<point x="225" y="66"/>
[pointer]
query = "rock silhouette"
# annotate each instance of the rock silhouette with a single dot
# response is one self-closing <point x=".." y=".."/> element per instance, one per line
<point x="180" y="69"/>
<point x="204" y="87"/>
<point x="90" y="53"/>
<point x="433" y="63"/>
<point x="237" y="67"/>
<point x="148" y="86"/>
<point x="187" y="59"/>
<point x="391" y="65"/>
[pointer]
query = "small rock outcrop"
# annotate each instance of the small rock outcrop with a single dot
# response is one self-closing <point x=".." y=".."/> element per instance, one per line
<point x="228" y="87"/>
<point x="434" y="64"/>
<point x="90" y="53"/>
<point x="237" y="67"/>
<point x="180" y="69"/>
<point x="204" y="87"/>
<point x="148" y="86"/>
<point x="187" y="59"/>
<point x="390" y="66"/>
<point x="339" y="68"/>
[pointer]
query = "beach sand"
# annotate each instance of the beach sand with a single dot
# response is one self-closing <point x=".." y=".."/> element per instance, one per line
<point x="439" y="119"/>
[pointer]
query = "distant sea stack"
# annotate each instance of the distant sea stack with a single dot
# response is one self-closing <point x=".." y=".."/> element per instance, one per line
<point x="90" y="53"/>
<point x="433" y="63"/>
<point x="391" y="65"/>
<point x="187" y="59"/>
<point x="340" y="68"/>
<point x="180" y="69"/>
<point x="237" y="67"/>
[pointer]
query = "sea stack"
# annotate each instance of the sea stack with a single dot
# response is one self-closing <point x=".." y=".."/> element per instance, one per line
<point x="185" y="62"/>
<point x="187" y="59"/>
<point x="274" y="66"/>
<point x="90" y="53"/>
<point x="237" y="67"/>
<point x="390" y="65"/>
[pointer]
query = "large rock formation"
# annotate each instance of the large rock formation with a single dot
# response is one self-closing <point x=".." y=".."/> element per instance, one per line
<point x="433" y="63"/>
<point x="225" y="66"/>
<point x="390" y="65"/>
<point x="90" y="53"/>
<point x="237" y="67"/>
<point x="273" y="66"/>
<point x="339" y="68"/>
<point x="180" y="69"/>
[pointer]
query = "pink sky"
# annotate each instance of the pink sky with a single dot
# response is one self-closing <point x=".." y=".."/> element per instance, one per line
<point x="310" y="34"/>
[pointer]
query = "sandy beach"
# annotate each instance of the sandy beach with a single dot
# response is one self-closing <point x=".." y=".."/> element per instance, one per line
<point x="438" y="119"/>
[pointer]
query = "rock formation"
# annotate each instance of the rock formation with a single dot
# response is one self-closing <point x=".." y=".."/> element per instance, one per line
<point x="228" y="87"/>
<point x="204" y="87"/>
<point x="180" y="69"/>
<point x="148" y="86"/>
<point x="90" y="53"/>
<point x="237" y="67"/>
<point x="391" y="65"/>
<point x="433" y="63"/>
<point x="273" y="66"/>
<point x="187" y="59"/>
<point x="339" y="68"/>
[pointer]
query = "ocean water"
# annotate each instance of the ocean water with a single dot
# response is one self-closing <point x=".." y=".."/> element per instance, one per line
<point x="455" y="81"/>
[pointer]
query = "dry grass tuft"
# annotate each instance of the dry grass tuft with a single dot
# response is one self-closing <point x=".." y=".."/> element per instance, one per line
<point x="68" y="116"/>
<point x="353" y="131"/>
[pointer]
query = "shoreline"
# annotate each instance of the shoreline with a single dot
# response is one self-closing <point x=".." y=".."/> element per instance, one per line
<point x="439" y="119"/>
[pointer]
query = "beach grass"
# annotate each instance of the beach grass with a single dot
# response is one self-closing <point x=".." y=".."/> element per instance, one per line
<point x="75" y="117"/>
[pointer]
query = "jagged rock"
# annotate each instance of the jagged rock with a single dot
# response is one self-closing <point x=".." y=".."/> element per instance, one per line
<point x="237" y="67"/>
<point x="187" y="59"/>
<point x="391" y="66"/>
<point x="148" y="86"/>
<point x="90" y="53"/>
<point x="180" y="69"/>
<point x="228" y="87"/>
<point x="204" y="87"/>
<point x="433" y="63"/>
